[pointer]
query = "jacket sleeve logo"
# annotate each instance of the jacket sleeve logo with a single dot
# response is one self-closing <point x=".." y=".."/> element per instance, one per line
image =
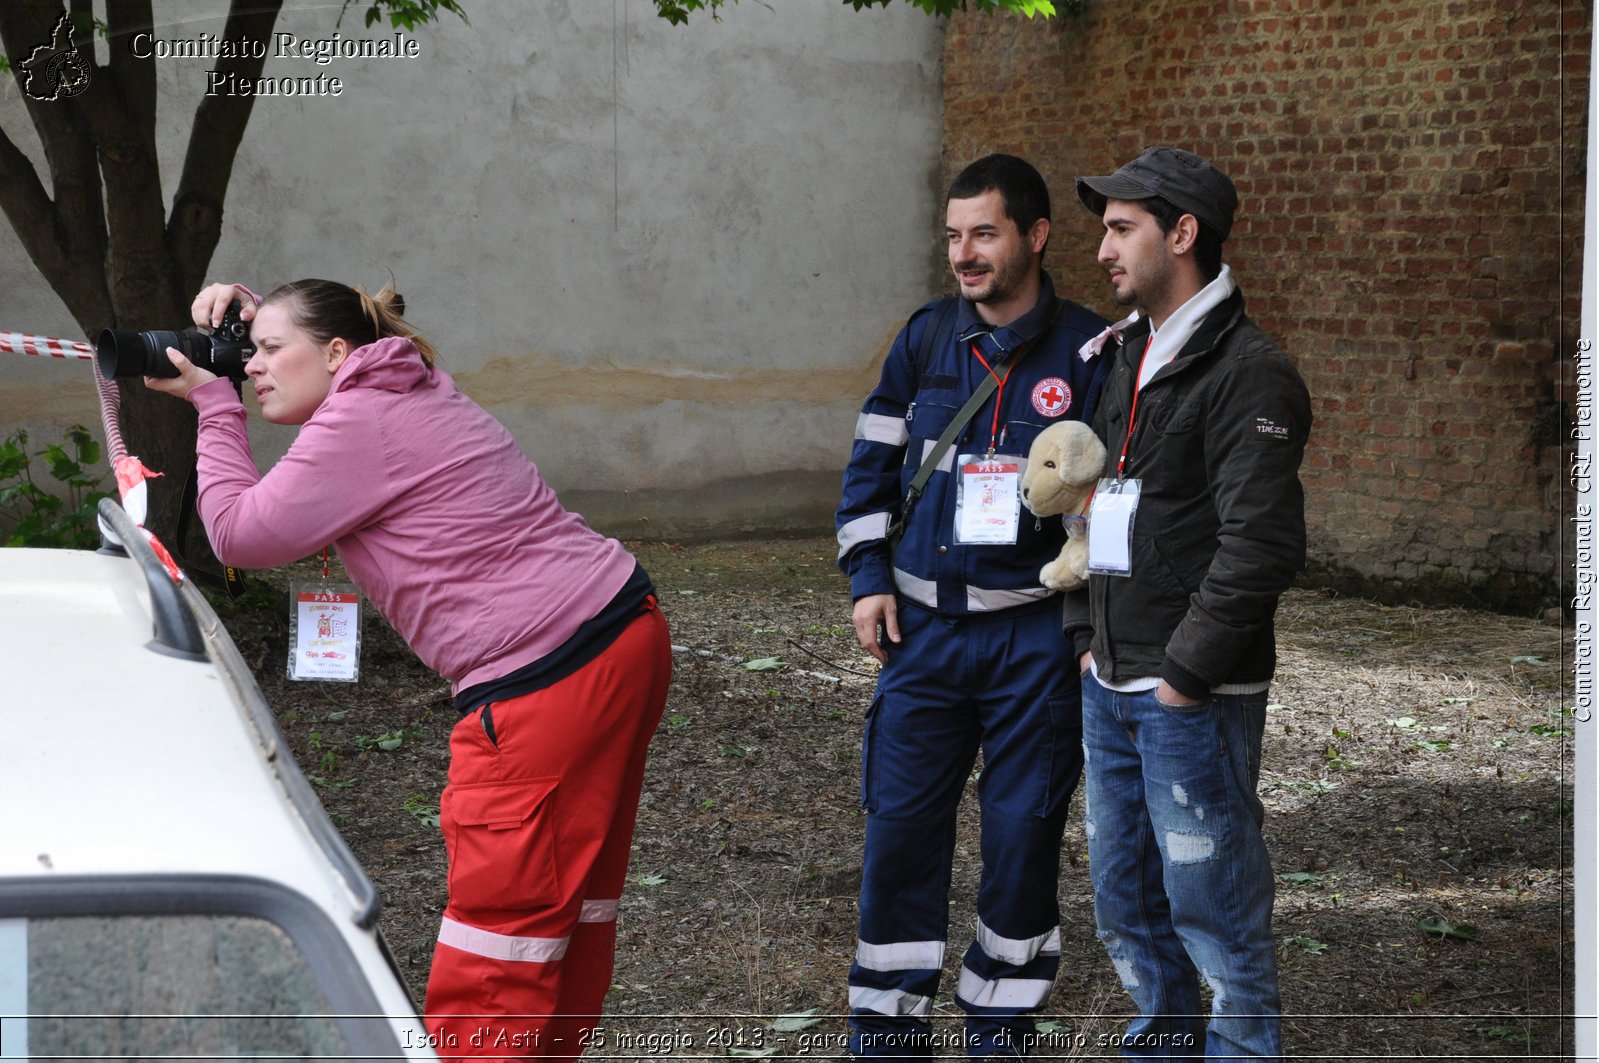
<point x="1270" y="428"/>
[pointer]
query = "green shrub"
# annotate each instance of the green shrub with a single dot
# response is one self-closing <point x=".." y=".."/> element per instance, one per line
<point x="59" y="518"/>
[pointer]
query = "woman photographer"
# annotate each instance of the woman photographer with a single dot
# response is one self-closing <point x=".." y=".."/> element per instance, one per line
<point x="549" y="633"/>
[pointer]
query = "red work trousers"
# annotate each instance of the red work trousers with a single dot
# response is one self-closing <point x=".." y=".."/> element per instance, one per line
<point x="538" y="820"/>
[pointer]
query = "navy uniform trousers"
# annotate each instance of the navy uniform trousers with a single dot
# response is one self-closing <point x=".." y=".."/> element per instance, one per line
<point x="1005" y="683"/>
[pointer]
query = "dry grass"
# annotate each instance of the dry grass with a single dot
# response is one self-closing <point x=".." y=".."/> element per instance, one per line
<point x="1415" y="775"/>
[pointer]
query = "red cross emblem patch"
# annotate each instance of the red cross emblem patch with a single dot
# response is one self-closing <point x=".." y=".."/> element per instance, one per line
<point x="1052" y="397"/>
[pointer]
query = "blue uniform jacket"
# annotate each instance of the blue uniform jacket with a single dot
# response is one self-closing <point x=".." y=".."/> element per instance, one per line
<point x="905" y="415"/>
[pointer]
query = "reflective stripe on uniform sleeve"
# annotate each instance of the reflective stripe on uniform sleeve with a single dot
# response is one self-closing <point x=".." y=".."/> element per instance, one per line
<point x="494" y="946"/>
<point x="881" y="428"/>
<point x="861" y="530"/>
<point x="947" y="460"/>
<point x="901" y="956"/>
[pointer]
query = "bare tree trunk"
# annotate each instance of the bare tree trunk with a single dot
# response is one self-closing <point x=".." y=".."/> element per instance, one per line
<point x="99" y="234"/>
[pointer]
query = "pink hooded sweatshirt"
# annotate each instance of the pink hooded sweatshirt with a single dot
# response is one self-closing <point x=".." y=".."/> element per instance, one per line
<point x="437" y="515"/>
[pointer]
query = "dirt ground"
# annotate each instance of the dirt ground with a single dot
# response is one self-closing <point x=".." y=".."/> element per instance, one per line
<point x="1417" y="778"/>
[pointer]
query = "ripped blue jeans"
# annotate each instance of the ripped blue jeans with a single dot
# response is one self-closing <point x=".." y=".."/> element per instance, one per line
<point x="1182" y="883"/>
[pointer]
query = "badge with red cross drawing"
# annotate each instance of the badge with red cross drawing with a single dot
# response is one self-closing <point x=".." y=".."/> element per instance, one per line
<point x="1052" y="397"/>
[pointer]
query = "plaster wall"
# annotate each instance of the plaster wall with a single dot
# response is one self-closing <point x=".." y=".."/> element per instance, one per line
<point x="668" y="258"/>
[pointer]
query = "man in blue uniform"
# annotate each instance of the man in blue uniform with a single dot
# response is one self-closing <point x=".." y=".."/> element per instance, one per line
<point x="971" y="644"/>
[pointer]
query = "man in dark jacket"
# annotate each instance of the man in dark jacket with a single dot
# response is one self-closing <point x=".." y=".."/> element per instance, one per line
<point x="971" y="643"/>
<point x="1196" y="531"/>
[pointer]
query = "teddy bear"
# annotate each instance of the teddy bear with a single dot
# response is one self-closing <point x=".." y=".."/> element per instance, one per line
<point x="1064" y="463"/>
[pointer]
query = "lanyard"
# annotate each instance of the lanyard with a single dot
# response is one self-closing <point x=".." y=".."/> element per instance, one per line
<point x="1133" y="411"/>
<point x="999" y="395"/>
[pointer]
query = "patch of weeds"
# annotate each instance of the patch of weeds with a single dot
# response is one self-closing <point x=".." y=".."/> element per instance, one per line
<point x="40" y="517"/>
<point x="423" y="808"/>
<point x="1508" y="1034"/>
<point x="388" y="741"/>
<point x="1305" y="944"/>
<point x="1337" y="761"/>
<point x="1433" y="747"/>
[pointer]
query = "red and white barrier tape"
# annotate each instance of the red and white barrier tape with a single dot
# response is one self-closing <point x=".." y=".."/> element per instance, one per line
<point x="131" y="473"/>
<point x="43" y="346"/>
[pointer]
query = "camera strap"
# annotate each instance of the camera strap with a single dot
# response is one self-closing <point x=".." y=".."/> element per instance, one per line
<point x="229" y="579"/>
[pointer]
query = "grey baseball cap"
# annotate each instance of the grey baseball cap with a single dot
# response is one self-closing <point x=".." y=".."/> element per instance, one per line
<point x="1180" y="177"/>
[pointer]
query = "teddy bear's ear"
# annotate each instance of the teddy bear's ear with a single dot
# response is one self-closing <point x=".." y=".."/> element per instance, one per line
<point x="1080" y="456"/>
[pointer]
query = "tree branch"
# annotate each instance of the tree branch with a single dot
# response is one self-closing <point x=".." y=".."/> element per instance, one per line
<point x="195" y="227"/>
<point x="67" y="237"/>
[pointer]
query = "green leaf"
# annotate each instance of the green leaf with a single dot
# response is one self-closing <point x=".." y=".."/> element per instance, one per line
<point x="1529" y="658"/>
<point x="1301" y="878"/>
<point x="651" y="880"/>
<point x="1305" y="944"/>
<point x="1446" y="929"/>
<point x="799" y="1020"/>
<point x="1405" y="723"/>
<point x="764" y="664"/>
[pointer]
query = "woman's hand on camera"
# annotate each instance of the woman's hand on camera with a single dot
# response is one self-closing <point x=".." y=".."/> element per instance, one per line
<point x="190" y="376"/>
<point x="213" y="301"/>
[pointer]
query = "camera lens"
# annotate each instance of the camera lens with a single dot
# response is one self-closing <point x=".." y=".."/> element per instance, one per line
<point x="125" y="353"/>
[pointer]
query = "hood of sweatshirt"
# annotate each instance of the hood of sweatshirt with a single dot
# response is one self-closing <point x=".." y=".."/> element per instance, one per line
<point x="391" y="364"/>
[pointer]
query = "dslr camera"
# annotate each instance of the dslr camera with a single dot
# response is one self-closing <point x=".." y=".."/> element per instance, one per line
<point x="224" y="350"/>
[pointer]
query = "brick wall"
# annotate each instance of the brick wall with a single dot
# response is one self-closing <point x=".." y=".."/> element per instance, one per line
<point x="1410" y="230"/>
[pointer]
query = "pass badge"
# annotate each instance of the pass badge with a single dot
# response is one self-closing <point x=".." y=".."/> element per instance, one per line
<point x="1116" y="502"/>
<point x="325" y="632"/>
<point x="989" y="499"/>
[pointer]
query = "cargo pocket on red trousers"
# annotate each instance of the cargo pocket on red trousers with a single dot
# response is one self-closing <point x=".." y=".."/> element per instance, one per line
<point x="500" y="840"/>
